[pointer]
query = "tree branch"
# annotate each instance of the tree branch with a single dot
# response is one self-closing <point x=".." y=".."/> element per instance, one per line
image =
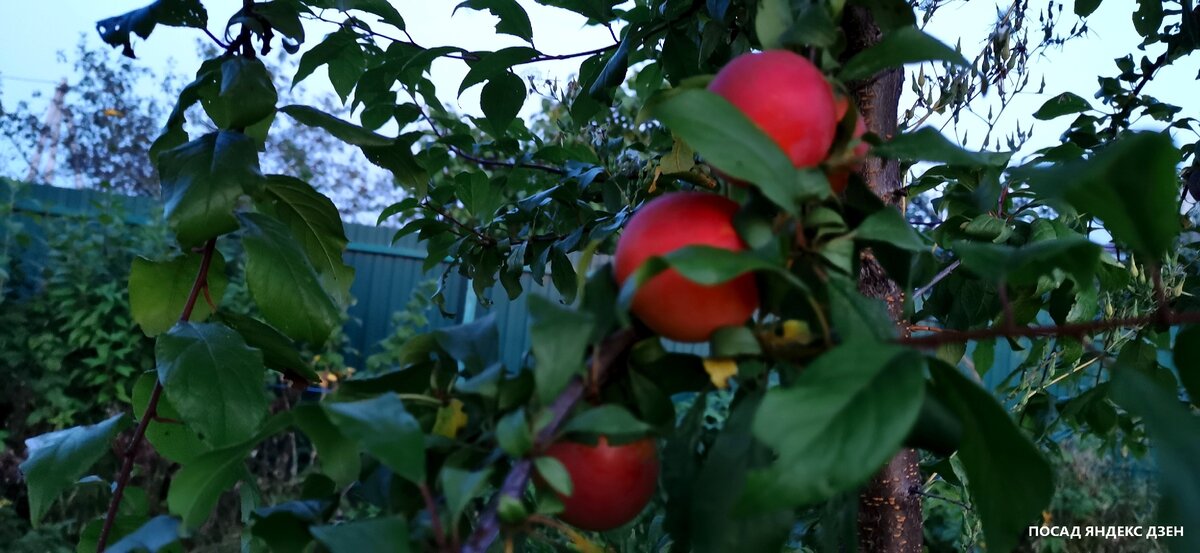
<point x="949" y="336"/>
<point x="604" y="357"/>
<point x="200" y="284"/>
<point x="1122" y="116"/>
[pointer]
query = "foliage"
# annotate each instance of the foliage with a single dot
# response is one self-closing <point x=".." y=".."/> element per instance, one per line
<point x="441" y="451"/>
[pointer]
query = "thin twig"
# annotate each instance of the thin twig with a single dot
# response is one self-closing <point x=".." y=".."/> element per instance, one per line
<point x="937" y="278"/>
<point x="950" y="336"/>
<point x="439" y="534"/>
<point x="151" y="412"/>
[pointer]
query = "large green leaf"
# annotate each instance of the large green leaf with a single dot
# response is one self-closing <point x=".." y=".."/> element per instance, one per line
<point x="560" y="337"/>
<point x="246" y="95"/>
<point x="376" y="535"/>
<point x="1187" y="361"/>
<point x="1063" y="104"/>
<point x="153" y="536"/>
<point x="610" y="420"/>
<point x="279" y="352"/>
<point x="855" y="316"/>
<point x="342" y="130"/>
<point x="773" y="19"/>
<point x="461" y="486"/>
<point x="392" y="154"/>
<point x="845" y="416"/>
<point x="283" y="282"/>
<point x="889" y="226"/>
<point x="1009" y="481"/>
<point x="720" y="482"/>
<point x="197" y="486"/>
<point x="214" y="380"/>
<point x="342" y="55"/>
<point x="613" y="74"/>
<point x="897" y="48"/>
<point x="158" y="290"/>
<point x="172" y="438"/>
<point x="732" y="143"/>
<point x="1076" y="256"/>
<point x="1176" y="435"/>
<point x="201" y="183"/>
<point x="383" y="428"/>
<point x="513" y="19"/>
<point x="492" y="64"/>
<point x="316" y="224"/>
<point x="501" y="101"/>
<point x="475" y="344"/>
<point x="1131" y="185"/>
<point x="337" y="454"/>
<point x="57" y="460"/>
<point x="173" y="13"/>
<point x="927" y="144"/>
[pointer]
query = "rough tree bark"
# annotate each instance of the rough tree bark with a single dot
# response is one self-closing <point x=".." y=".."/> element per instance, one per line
<point x="889" y="513"/>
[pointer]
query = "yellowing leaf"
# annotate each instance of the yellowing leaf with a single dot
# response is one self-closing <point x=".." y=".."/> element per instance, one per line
<point x="450" y="419"/>
<point x="720" y="370"/>
<point x="797" y="331"/>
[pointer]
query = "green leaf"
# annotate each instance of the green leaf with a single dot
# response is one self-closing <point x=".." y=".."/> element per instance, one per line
<point x="383" y="8"/>
<point x="560" y="337"/>
<point x="613" y="74"/>
<point x="1187" y="361"/>
<point x="562" y="274"/>
<point x="283" y="282"/>
<point x="1009" y="481"/>
<point x="197" y="486"/>
<point x="175" y="441"/>
<point x="337" y="454"/>
<point x="201" y="183"/>
<point x="279" y="352"/>
<point x="1063" y="104"/>
<point x="610" y="420"/>
<point x="927" y="144"/>
<point x="246" y="96"/>
<point x="1131" y="185"/>
<point x="214" y="380"/>
<point x="888" y="226"/>
<point x="773" y="19"/>
<point x="845" y="416"/>
<point x="342" y="130"/>
<point x="715" y="525"/>
<point x="889" y="14"/>
<point x="476" y="344"/>
<point x="284" y="527"/>
<point x="1084" y="8"/>
<point x="172" y="13"/>
<point x="342" y="54"/>
<point x="733" y="341"/>
<point x="376" y="535"/>
<point x="513" y="434"/>
<point x="732" y="143"/>
<point x="479" y="195"/>
<point x="554" y="473"/>
<point x="501" y="101"/>
<point x="897" y="48"/>
<point x="316" y="224"/>
<point x="1076" y="256"/>
<point x="57" y="460"/>
<point x="158" y="290"/>
<point x="383" y="428"/>
<point x="153" y="536"/>
<point x="492" y="64"/>
<point x="461" y="486"/>
<point x="513" y="19"/>
<point x="855" y="316"/>
<point x="1174" y="431"/>
<point x="1148" y="17"/>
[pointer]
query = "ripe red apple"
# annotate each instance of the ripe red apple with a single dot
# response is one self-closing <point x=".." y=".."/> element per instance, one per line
<point x="787" y="97"/>
<point x="668" y="303"/>
<point x="839" y="177"/>
<point x="610" y="484"/>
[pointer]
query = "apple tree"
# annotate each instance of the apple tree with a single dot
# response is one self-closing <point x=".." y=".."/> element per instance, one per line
<point x="742" y="170"/>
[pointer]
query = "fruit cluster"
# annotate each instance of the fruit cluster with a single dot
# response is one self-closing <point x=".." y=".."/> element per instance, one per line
<point x="788" y="98"/>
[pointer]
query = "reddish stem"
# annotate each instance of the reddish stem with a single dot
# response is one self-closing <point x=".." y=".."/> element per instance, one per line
<point x="200" y="284"/>
<point x="430" y="505"/>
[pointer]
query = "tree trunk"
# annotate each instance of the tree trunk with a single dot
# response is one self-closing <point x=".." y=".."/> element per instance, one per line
<point x="889" y="513"/>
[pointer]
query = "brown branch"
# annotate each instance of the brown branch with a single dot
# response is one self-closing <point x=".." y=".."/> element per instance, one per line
<point x="436" y="521"/>
<point x="604" y="357"/>
<point x="151" y="411"/>
<point x="1078" y="330"/>
<point x="1122" y="116"/>
<point x="937" y="278"/>
<point x="487" y="240"/>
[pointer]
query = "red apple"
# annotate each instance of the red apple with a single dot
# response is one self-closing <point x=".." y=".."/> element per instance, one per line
<point x="610" y="484"/>
<point x="668" y="303"/>
<point x="787" y="97"/>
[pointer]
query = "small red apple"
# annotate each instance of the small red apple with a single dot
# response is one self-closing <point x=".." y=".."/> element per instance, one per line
<point x="839" y="177"/>
<point x="610" y="484"/>
<point x="787" y="97"/>
<point x="668" y="303"/>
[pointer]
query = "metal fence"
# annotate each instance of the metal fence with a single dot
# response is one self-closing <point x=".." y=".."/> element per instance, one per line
<point x="386" y="276"/>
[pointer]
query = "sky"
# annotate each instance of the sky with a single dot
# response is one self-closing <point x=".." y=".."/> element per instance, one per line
<point x="29" y="60"/>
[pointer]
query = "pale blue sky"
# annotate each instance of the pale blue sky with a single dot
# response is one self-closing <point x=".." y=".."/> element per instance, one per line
<point x="30" y="49"/>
